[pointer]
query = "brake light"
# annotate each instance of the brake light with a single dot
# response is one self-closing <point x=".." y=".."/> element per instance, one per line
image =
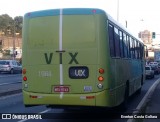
<point x="101" y="71"/>
<point x="25" y="78"/>
<point x="100" y="78"/>
<point x="24" y="71"/>
<point x="33" y="96"/>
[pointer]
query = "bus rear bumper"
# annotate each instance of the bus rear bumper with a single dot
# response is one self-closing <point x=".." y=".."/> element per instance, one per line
<point x="101" y="99"/>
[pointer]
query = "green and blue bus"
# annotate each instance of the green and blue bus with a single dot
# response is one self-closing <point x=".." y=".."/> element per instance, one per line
<point x="79" y="57"/>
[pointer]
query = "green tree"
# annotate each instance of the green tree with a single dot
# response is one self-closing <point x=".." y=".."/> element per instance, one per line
<point x="18" y="20"/>
<point x="6" y="23"/>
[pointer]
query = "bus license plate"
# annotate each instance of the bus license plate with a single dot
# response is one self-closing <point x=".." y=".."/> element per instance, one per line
<point x="80" y="72"/>
<point x="61" y="89"/>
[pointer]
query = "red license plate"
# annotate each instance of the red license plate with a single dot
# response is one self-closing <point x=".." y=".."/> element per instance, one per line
<point x="61" y="89"/>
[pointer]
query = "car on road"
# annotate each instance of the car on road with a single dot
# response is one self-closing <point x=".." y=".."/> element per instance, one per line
<point x="149" y="72"/>
<point x="153" y="64"/>
<point x="10" y="66"/>
<point x="156" y="69"/>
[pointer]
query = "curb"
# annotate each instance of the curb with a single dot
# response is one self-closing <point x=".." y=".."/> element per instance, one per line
<point x="144" y="102"/>
<point x="16" y="91"/>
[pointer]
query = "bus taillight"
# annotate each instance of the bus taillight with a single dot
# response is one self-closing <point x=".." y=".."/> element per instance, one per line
<point x="100" y="78"/>
<point x="24" y="78"/>
<point x="101" y="71"/>
<point x="24" y="71"/>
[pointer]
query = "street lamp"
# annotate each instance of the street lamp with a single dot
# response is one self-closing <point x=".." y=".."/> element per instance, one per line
<point x="118" y="10"/>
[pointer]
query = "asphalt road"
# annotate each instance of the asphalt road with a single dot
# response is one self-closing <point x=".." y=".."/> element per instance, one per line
<point x="13" y="104"/>
<point x="10" y="78"/>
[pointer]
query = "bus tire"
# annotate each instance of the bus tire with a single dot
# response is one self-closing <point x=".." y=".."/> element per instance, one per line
<point x="139" y="90"/>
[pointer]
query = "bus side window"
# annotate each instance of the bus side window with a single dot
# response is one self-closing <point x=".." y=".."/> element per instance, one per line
<point x="128" y="48"/>
<point x="136" y="52"/>
<point x="138" y="49"/>
<point x="141" y="51"/>
<point x="131" y="48"/>
<point x="111" y="40"/>
<point x="117" y="42"/>
<point x="121" y="44"/>
<point x="125" y="45"/>
<point x="133" y="45"/>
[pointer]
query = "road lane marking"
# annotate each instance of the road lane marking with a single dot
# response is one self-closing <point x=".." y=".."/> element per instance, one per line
<point x="14" y="95"/>
<point x="147" y="95"/>
<point x="10" y="83"/>
<point x="3" y="76"/>
<point x="42" y="112"/>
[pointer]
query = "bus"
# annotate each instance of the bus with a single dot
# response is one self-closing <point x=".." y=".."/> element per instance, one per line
<point x="79" y="57"/>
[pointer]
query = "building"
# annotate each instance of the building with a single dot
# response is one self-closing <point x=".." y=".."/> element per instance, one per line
<point x="6" y="45"/>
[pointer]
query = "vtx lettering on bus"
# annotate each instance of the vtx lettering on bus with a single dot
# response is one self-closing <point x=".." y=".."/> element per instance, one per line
<point x="48" y="58"/>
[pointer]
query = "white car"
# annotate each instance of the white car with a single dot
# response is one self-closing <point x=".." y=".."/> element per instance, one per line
<point x="149" y="72"/>
<point x="153" y="64"/>
<point x="10" y="66"/>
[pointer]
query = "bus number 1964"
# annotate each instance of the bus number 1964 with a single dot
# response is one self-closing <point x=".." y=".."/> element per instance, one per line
<point x="45" y="73"/>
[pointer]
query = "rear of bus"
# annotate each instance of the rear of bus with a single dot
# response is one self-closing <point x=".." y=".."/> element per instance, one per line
<point x="65" y="58"/>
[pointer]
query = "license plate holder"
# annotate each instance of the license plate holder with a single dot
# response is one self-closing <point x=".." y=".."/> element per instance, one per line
<point x="59" y="89"/>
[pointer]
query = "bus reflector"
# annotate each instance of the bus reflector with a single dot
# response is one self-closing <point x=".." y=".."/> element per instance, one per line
<point x="33" y="96"/>
<point x="101" y="71"/>
<point x="100" y="78"/>
<point x="87" y="97"/>
<point x="25" y="78"/>
<point x="24" y="71"/>
<point x="90" y="97"/>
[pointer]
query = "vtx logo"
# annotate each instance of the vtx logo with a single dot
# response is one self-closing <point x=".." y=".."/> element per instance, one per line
<point x="48" y="57"/>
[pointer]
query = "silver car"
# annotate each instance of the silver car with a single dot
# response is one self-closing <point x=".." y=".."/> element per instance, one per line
<point x="10" y="66"/>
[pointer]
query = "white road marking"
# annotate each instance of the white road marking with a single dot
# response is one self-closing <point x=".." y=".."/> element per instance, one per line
<point x="10" y="83"/>
<point x="4" y="75"/>
<point x="149" y="92"/>
<point x="45" y="111"/>
<point x="14" y="95"/>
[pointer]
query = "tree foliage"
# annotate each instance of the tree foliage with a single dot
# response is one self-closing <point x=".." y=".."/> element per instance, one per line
<point x="8" y="25"/>
<point x="18" y="24"/>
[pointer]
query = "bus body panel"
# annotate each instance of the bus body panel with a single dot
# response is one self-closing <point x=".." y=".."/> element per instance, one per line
<point x="100" y="99"/>
<point x="63" y="51"/>
<point x="44" y="57"/>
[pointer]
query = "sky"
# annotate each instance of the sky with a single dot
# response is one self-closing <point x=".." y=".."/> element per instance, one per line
<point x="139" y="14"/>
